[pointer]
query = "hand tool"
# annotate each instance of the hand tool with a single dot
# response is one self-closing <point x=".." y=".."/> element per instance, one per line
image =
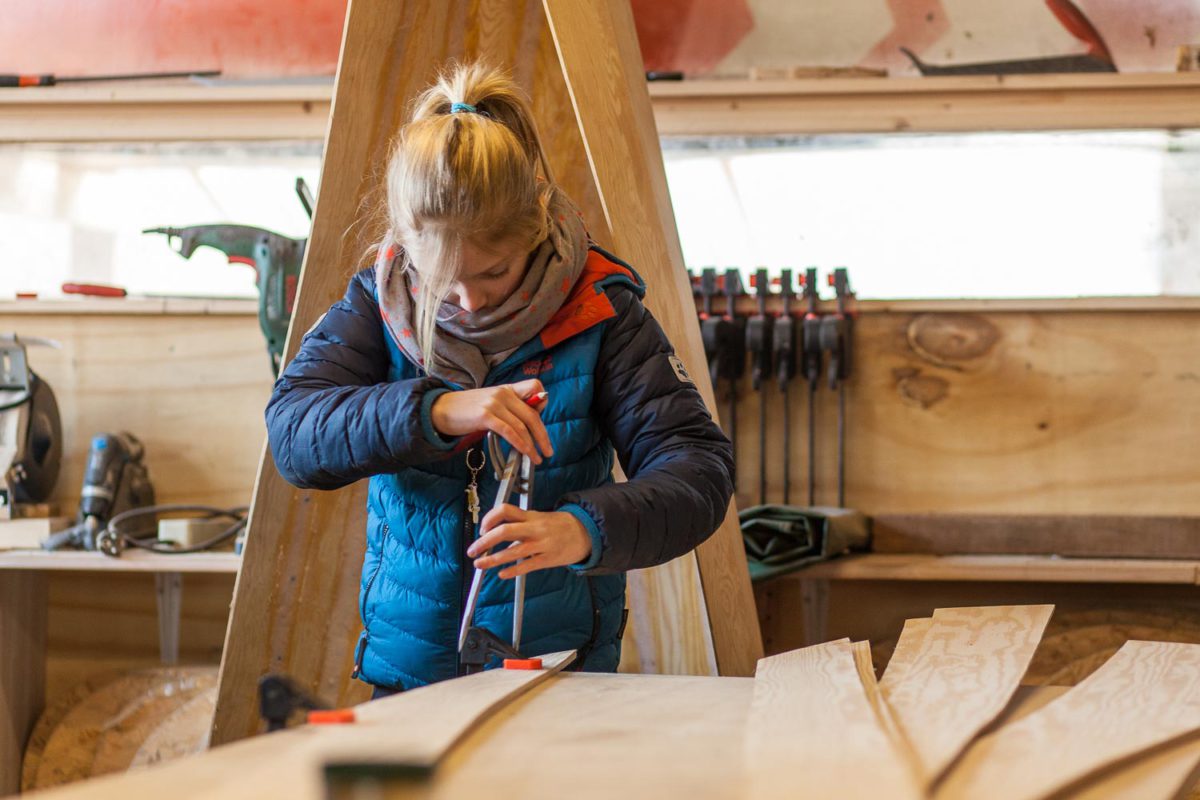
<point x="758" y="344"/>
<point x="114" y="481"/>
<point x="276" y="260"/>
<point x="280" y="696"/>
<point x="813" y="356"/>
<point x="1097" y="59"/>
<point x="30" y="429"/>
<point x="712" y="327"/>
<point x="7" y="80"/>
<point x="476" y="646"/>
<point x="836" y="332"/>
<point x="306" y="196"/>
<point x="93" y="290"/>
<point x="783" y="343"/>
<point x="734" y="346"/>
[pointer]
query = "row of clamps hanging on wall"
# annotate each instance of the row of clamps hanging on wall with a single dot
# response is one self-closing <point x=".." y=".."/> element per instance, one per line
<point x="779" y="344"/>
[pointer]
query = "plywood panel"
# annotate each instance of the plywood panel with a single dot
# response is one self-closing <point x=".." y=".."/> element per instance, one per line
<point x="192" y="387"/>
<point x="22" y="668"/>
<point x="597" y="46"/>
<point x="633" y="720"/>
<point x="812" y="729"/>
<point x="110" y="621"/>
<point x="1148" y="694"/>
<point x="969" y="662"/>
<point x="908" y="648"/>
<point x="1047" y="412"/>
<point x="383" y="735"/>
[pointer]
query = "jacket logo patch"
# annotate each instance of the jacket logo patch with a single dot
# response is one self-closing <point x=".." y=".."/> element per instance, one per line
<point x="538" y="367"/>
<point x="680" y="371"/>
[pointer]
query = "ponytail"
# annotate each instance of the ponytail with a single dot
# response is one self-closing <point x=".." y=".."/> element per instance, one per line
<point x="466" y="167"/>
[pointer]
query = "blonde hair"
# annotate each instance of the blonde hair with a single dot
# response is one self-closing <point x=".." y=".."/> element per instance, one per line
<point x="461" y="175"/>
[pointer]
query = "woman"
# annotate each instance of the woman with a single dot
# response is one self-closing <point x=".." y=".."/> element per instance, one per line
<point x="485" y="292"/>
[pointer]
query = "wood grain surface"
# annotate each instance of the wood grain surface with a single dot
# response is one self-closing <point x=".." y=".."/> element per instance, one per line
<point x="908" y="647"/>
<point x="812" y="730"/>
<point x="666" y="736"/>
<point x="192" y="387"/>
<point x="22" y="668"/>
<point x="386" y="733"/>
<point x="1036" y="413"/>
<point x="1146" y="695"/>
<point x="969" y="663"/>
<point x="1084" y="535"/>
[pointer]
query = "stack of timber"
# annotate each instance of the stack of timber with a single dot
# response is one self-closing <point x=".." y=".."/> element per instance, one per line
<point x="946" y="724"/>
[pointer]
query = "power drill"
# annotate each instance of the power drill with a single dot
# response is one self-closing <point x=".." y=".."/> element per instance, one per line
<point x="276" y="260"/>
<point x="114" y="481"/>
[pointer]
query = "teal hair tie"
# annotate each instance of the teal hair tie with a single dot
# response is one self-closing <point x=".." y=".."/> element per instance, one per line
<point x="457" y="107"/>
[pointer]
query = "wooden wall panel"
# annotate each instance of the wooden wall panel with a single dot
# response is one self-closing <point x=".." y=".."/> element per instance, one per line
<point x="1070" y="412"/>
<point x="192" y="387"/>
<point x="101" y="621"/>
<point x="22" y="675"/>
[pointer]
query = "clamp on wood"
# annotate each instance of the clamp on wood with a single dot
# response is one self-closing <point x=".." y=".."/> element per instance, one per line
<point x="477" y="646"/>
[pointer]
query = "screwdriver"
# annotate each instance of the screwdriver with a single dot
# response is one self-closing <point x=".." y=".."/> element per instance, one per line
<point x="51" y="80"/>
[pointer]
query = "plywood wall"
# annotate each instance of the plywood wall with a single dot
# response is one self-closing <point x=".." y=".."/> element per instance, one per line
<point x="1016" y="412"/>
<point x="193" y="388"/>
<point x="1027" y="411"/>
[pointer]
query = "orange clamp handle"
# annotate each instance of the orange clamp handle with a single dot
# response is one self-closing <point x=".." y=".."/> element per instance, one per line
<point x="336" y="716"/>
<point x="522" y="663"/>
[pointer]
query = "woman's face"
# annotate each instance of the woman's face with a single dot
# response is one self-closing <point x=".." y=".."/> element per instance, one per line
<point x="488" y="275"/>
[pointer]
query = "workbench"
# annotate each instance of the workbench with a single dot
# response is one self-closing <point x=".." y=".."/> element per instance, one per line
<point x="577" y="735"/>
<point x="23" y="615"/>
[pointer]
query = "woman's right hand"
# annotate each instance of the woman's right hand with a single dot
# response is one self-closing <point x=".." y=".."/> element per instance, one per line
<point x="499" y="409"/>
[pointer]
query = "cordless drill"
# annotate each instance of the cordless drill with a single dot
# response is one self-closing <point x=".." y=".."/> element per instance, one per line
<point x="276" y="260"/>
<point x="114" y="481"/>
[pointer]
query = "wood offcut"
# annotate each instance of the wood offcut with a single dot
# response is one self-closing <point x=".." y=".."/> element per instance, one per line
<point x="966" y="668"/>
<point x="813" y="728"/>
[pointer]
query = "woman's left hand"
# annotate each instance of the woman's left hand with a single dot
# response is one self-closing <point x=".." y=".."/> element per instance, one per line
<point x="543" y="538"/>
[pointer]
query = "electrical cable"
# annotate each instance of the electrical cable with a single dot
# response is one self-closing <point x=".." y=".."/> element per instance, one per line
<point x="111" y="539"/>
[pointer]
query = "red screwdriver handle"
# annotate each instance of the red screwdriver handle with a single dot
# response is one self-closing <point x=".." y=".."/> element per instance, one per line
<point x="26" y="80"/>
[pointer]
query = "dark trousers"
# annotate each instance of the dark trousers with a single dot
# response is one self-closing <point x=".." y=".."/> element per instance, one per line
<point x="384" y="691"/>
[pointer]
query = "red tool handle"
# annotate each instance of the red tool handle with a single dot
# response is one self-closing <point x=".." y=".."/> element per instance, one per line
<point x="93" y="290"/>
<point x="1080" y="27"/>
<point x="27" y="80"/>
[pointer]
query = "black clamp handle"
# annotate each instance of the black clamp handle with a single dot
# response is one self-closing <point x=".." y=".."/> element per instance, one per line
<point x="783" y="340"/>
<point x="759" y="332"/>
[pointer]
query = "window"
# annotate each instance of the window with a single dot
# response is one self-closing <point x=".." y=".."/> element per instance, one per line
<point x="949" y="215"/>
<point x="76" y="213"/>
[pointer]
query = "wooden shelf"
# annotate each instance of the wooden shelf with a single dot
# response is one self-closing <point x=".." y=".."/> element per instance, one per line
<point x="164" y="112"/>
<point x="192" y="112"/>
<point x="930" y="104"/>
<point x="748" y="305"/>
<point x="132" y="306"/>
<point x="1030" y="569"/>
<point x="130" y="561"/>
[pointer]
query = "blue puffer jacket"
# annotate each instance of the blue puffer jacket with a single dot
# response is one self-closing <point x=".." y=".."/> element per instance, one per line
<point x="351" y="406"/>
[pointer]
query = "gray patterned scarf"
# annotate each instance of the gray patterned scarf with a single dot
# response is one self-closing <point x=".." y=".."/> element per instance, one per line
<point x="469" y="345"/>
